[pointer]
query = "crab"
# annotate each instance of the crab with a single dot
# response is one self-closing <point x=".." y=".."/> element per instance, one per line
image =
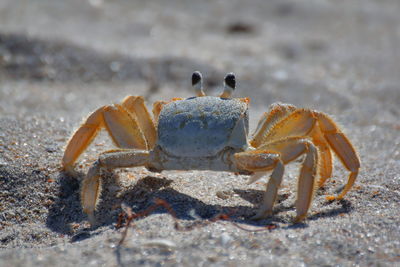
<point x="211" y="133"/>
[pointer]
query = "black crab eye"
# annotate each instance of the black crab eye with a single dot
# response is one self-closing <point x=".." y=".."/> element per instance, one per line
<point x="230" y="80"/>
<point x="196" y="78"/>
<point x="197" y="83"/>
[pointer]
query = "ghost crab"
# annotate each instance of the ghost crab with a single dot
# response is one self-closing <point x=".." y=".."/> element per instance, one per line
<point x="210" y="133"/>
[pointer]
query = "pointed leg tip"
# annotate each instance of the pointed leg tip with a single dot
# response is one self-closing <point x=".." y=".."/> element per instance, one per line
<point x="91" y="219"/>
<point x="333" y="198"/>
<point x="330" y="198"/>
<point x="261" y="215"/>
<point x="70" y="171"/>
<point x="299" y="218"/>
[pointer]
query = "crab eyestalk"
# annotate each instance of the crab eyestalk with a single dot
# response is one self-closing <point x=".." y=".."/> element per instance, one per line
<point x="229" y="85"/>
<point x="197" y="83"/>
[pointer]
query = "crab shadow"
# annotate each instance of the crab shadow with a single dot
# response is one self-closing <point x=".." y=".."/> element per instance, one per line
<point x="66" y="211"/>
<point x="66" y="208"/>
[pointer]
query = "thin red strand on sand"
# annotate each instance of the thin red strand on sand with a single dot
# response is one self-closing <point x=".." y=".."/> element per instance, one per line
<point x="126" y="217"/>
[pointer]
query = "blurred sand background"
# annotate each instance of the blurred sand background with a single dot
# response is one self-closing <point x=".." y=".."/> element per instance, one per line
<point x="60" y="60"/>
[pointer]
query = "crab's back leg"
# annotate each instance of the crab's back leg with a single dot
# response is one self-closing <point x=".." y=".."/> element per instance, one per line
<point x="328" y="136"/>
<point x="82" y="138"/>
<point x="342" y="147"/>
<point x="301" y="122"/>
<point x="276" y="113"/>
<point x="288" y="150"/>
<point x="123" y="128"/>
<point x="91" y="185"/>
<point x="157" y="106"/>
<point x="298" y="123"/>
<point x="136" y="107"/>
<point x="325" y="155"/>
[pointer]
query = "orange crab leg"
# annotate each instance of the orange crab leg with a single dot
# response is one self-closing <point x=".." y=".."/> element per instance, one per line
<point x="276" y="112"/>
<point x="324" y="133"/>
<point x="157" y="107"/>
<point x="325" y="155"/>
<point x="123" y="128"/>
<point x="290" y="149"/>
<point x="91" y="185"/>
<point x="135" y="106"/>
<point x="261" y="161"/>
<point x="82" y="138"/>
<point x="129" y="125"/>
<point x="342" y="147"/>
<point x="298" y="123"/>
<point x="282" y="152"/>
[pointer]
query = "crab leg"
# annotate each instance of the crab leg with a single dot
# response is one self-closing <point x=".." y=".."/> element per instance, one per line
<point x="261" y="161"/>
<point x="283" y="122"/>
<point x="157" y="106"/>
<point x="342" y="148"/>
<point x="129" y="125"/>
<point x="298" y="123"/>
<point x="328" y="136"/>
<point x="324" y="154"/>
<point x="275" y="155"/>
<point x="123" y="128"/>
<point x="82" y="138"/>
<point x="135" y="106"/>
<point x="91" y="185"/>
<point x="276" y="112"/>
